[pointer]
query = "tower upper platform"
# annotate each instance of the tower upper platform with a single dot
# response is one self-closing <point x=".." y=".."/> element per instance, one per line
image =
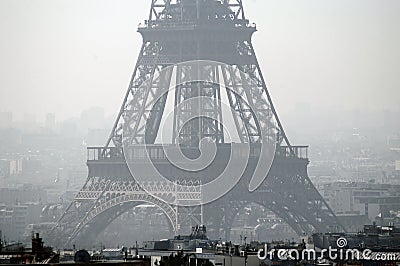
<point x="200" y="16"/>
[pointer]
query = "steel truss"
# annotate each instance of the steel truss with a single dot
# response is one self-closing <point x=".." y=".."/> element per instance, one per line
<point x="179" y="31"/>
<point x="100" y="195"/>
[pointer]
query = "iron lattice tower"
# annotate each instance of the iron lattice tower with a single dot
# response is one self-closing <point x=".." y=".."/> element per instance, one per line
<point x="202" y="31"/>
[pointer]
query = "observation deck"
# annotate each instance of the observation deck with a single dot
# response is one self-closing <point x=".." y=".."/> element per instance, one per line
<point x="156" y="152"/>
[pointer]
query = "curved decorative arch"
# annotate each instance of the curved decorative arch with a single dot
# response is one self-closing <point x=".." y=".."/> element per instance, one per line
<point x="122" y="199"/>
<point x="91" y="231"/>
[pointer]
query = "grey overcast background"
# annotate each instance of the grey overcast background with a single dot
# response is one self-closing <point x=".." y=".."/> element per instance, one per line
<point x="63" y="56"/>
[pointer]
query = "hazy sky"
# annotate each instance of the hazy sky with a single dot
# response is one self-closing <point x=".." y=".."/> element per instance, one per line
<point x="63" y="56"/>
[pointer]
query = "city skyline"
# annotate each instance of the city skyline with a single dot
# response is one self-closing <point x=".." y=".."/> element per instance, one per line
<point x="217" y="161"/>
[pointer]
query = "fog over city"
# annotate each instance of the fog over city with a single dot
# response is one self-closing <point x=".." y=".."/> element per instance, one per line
<point x="332" y="70"/>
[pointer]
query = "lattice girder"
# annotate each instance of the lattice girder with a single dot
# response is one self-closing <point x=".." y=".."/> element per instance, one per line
<point x="179" y="31"/>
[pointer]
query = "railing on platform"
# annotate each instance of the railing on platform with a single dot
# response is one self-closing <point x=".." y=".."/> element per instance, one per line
<point x="300" y="152"/>
<point x="105" y="154"/>
<point x="238" y="23"/>
<point x="156" y="152"/>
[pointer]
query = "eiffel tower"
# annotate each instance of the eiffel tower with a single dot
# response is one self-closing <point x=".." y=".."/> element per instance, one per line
<point x="203" y="50"/>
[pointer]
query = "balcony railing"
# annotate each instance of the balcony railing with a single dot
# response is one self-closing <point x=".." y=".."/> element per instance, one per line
<point x="300" y="152"/>
<point x="193" y="24"/>
<point x="156" y="152"/>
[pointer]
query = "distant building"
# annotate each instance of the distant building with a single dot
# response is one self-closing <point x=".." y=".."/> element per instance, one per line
<point x="372" y="236"/>
<point x="23" y="195"/>
<point x="13" y="221"/>
<point x="394" y="142"/>
<point x="351" y="198"/>
<point x="10" y="167"/>
<point x="197" y="249"/>
<point x="50" y="122"/>
<point x="15" y="218"/>
<point x="114" y="253"/>
<point x="353" y="222"/>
